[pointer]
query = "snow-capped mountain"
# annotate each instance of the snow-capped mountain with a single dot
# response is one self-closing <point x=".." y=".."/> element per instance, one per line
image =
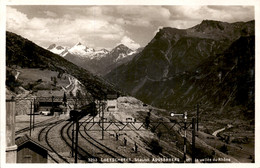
<point x="78" y="50"/>
<point x="99" y="54"/>
<point x="120" y="52"/>
<point x="60" y="50"/>
<point x="122" y="56"/>
<point x="81" y="50"/>
<point x="97" y="61"/>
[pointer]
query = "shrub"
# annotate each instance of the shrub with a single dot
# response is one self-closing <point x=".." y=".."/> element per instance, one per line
<point x="155" y="147"/>
<point x="159" y="134"/>
<point x="224" y="149"/>
<point x="153" y="129"/>
<point x="11" y="82"/>
<point x="147" y="121"/>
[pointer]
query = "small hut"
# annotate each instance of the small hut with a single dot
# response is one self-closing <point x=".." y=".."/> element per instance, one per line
<point x="30" y="151"/>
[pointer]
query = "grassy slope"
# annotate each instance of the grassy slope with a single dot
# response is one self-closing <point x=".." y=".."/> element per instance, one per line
<point x="32" y="75"/>
<point x="24" y="53"/>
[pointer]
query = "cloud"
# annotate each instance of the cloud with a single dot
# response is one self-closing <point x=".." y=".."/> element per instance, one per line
<point x="196" y="14"/>
<point x="146" y="12"/>
<point x="95" y="10"/>
<point x="107" y="25"/>
<point x="142" y="15"/>
<point x="182" y="24"/>
<point x="63" y="30"/>
<point x="130" y="43"/>
<point x="157" y="30"/>
<point x="51" y="14"/>
<point x="111" y="36"/>
<point x="138" y="22"/>
<point x="231" y="13"/>
<point x="15" y="19"/>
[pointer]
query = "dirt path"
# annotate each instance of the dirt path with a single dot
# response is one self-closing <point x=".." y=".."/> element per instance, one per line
<point x="73" y="86"/>
<point x="17" y="74"/>
<point x="218" y="131"/>
<point x="222" y="129"/>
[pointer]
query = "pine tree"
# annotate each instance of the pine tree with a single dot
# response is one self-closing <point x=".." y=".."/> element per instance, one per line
<point x="65" y="99"/>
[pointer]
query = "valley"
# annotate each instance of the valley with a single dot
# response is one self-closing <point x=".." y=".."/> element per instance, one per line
<point x="123" y="99"/>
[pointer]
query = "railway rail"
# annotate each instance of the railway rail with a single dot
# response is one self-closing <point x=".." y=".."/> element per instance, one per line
<point x="39" y="124"/>
<point x="65" y="134"/>
<point x="49" y="144"/>
<point x="106" y="150"/>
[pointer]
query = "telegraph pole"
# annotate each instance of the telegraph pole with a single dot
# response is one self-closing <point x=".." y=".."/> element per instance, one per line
<point x="93" y="112"/>
<point x="31" y="120"/>
<point x="52" y="97"/>
<point x="103" y="108"/>
<point x="193" y="140"/>
<point x="72" y="141"/>
<point x="185" y="137"/>
<point x="33" y="113"/>
<point x="198" y="117"/>
<point x="99" y="108"/>
<point x="102" y="122"/>
<point x="76" y="144"/>
<point x="185" y="133"/>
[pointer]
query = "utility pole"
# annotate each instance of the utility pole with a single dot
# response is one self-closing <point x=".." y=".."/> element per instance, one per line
<point x="185" y="137"/>
<point x="197" y="116"/>
<point x="184" y="115"/>
<point x="103" y="108"/>
<point x="31" y="120"/>
<point x="33" y="113"/>
<point x="98" y="102"/>
<point x="72" y="141"/>
<point x="93" y="111"/>
<point x="102" y="121"/>
<point x="76" y="144"/>
<point x="193" y="140"/>
<point x="52" y="97"/>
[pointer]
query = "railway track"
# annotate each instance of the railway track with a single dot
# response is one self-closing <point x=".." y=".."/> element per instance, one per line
<point x="177" y="152"/>
<point x="39" y="124"/>
<point x="43" y="130"/>
<point x="55" y="160"/>
<point x="65" y="134"/>
<point x="49" y="143"/>
<point x="106" y="150"/>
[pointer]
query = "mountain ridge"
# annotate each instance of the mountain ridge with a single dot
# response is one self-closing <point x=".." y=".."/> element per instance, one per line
<point x="24" y="53"/>
<point x="102" y="61"/>
<point x="171" y="56"/>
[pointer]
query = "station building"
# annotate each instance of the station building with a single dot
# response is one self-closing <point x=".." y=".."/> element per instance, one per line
<point x="112" y="102"/>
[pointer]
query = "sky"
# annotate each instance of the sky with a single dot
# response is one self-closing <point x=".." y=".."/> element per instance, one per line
<point x="107" y="26"/>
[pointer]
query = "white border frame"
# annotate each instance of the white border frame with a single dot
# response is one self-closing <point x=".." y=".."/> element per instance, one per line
<point x="4" y="3"/>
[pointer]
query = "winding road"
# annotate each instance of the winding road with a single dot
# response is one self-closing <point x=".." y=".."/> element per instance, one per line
<point x="222" y="129"/>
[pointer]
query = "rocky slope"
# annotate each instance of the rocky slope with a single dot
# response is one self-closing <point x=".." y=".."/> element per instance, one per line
<point x="181" y="67"/>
